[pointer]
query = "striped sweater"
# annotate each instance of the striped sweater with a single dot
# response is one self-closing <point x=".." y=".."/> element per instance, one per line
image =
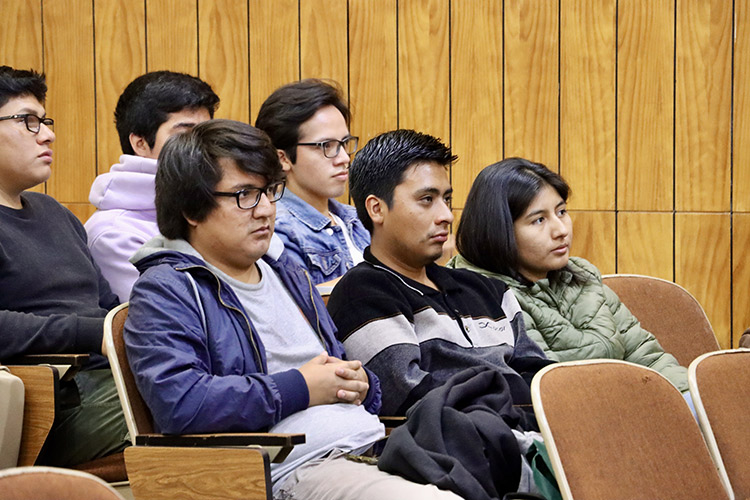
<point x="415" y="338"/>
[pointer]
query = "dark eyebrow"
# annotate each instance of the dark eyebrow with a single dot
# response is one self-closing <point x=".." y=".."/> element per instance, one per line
<point x="433" y="191"/>
<point x="538" y="212"/>
<point x="29" y="111"/>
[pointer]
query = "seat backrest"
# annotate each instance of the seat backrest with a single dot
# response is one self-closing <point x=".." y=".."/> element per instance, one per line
<point x="667" y="310"/>
<point x="137" y="415"/>
<point x="615" y="429"/>
<point x="720" y="387"/>
<point x="50" y="483"/>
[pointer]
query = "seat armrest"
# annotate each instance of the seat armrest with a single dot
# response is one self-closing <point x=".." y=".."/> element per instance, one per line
<point x="67" y="364"/>
<point x="278" y="446"/>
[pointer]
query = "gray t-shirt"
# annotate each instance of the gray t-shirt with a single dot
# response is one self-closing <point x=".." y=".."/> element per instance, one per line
<point x="290" y="342"/>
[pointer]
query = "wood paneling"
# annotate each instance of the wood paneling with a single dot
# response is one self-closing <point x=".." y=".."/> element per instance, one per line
<point x="476" y="90"/>
<point x="645" y="104"/>
<point x="424" y="64"/>
<point x="172" y="35"/>
<point x="704" y="99"/>
<point x="645" y="244"/>
<point x="740" y="275"/>
<point x="702" y="257"/>
<point x="69" y="31"/>
<point x="587" y="101"/>
<point x="594" y="238"/>
<point x="224" y="60"/>
<point x="120" y="57"/>
<point x="373" y="69"/>
<point x="532" y="80"/>
<point x="323" y="40"/>
<point x="274" y="48"/>
<point x="741" y="129"/>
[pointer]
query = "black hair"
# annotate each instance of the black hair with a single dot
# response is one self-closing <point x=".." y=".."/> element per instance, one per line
<point x="291" y="105"/>
<point x="379" y="167"/>
<point x="501" y="193"/>
<point x="20" y="83"/>
<point x="149" y="99"/>
<point x="189" y="170"/>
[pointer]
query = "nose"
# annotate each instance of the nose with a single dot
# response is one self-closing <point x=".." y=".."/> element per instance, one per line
<point x="264" y="208"/>
<point x="559" y="228"/>
<point x="45" y="134"/>
<point x="445" y="215"/>
<point x="342" y="157"/>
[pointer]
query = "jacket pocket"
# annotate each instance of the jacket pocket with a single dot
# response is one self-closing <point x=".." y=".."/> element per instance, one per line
<point x="327" y="263"/>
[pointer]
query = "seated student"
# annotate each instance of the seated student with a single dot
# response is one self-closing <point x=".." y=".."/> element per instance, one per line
<point x="515" y="227"/>
<point x="224" y="338"/>
<point x="152" y="108"/>
<point x="53" y="297"/>
<point x="308" y="122"/>
<point x="412" y="322"/>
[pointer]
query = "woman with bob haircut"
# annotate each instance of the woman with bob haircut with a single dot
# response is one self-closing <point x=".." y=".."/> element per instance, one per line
<point x="515" y="227"/>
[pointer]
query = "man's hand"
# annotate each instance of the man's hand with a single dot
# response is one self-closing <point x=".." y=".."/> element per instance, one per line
<point x="331" y="380"/>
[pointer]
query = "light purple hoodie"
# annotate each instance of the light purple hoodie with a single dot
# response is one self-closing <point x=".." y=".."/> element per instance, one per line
<point x="125" y="219"/>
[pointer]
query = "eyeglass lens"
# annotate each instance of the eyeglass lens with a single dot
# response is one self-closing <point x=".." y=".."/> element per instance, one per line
<point x="250" y="197"/>
<point x="331" y="148"/>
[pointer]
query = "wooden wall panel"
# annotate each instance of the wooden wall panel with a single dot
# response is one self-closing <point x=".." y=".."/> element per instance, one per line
<point x="373" y="67"/>
<point x="741" y="88"/>
<point x="323" y="40"/>
<point x="120" y="57"/>
<point x="424" y="65"/>
<point x="587" y="101"/>
<point x="532" y="80"/>
<point x="594" y="238"/>
<point x="645" y="105"/>
<point x="702" y="265"/>
<point x="476" y="90"/>
<point x="69" y="30"/>
<point x="740" y="276"/>
<point x="645" y="244"/>
<point x="172" y="35"/>
<point x="224" y="59"/>
<point x="22" y="52"/>
<point x="274" y="48"/>
<point x="704" y="100"/>
<point x="21" y="36"/>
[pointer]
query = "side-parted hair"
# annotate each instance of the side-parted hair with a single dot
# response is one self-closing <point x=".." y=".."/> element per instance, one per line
<point x="149" y="99"/>
<point x="19" y="83"/>
<point x="189" y="170"/>
<point x="379" y="167"/>
<point x="291" y="105"/>
<point x="501" y="193"/>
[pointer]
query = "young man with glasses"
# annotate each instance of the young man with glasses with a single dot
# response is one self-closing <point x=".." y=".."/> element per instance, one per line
<point x="308" y="122"/>
<point x="152" y="108"/>
<point x="223" y="337"/>
<point x="53" y="297"/>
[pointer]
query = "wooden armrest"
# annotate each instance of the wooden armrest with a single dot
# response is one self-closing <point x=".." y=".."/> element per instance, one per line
<point x="279" y="445"/>
<point x="40" y="384"/>
<point x="68" y="364"/>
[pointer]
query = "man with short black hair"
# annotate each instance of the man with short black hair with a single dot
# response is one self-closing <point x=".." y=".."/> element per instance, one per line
<point x="54" y="297"/>
<point x="308" y="122"/>
<point x="415" y="324"/>
<point x="224" y="337"/>
<point x="151" y="109"/>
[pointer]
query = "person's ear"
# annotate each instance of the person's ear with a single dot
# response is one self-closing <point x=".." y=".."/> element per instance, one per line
<point x="376" y="209"/>
<point x="140" y="146"/>
<point x="191" y="222"/>
<point x="286" y="165"/>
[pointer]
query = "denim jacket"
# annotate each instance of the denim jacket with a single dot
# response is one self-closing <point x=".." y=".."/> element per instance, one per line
<point x="313" y="242"/>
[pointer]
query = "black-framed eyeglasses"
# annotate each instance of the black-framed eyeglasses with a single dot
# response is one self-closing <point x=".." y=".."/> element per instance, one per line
<point x="33" y="122"/>
<point x="250" y="197"/>
<point x="331" y="147"/>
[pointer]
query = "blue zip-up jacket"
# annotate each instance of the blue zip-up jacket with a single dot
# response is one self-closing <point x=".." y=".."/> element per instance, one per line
<point x="198" y="379"/>
<point x="313" y="242"/>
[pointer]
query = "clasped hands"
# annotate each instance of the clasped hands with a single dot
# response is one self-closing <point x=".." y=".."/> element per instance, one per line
<point x="332" y="380"/>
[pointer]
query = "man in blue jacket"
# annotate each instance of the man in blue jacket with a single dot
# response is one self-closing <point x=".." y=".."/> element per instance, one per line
<point x="223" y="337"/>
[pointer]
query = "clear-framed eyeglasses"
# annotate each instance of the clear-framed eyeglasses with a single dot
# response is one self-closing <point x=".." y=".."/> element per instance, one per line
<point x="33" y="122"/>
<point x="331" y="147"/>
<point x="248" y="198"/>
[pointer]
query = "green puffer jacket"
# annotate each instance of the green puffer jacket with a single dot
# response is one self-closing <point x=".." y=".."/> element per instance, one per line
<point x="583" y="319"/>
